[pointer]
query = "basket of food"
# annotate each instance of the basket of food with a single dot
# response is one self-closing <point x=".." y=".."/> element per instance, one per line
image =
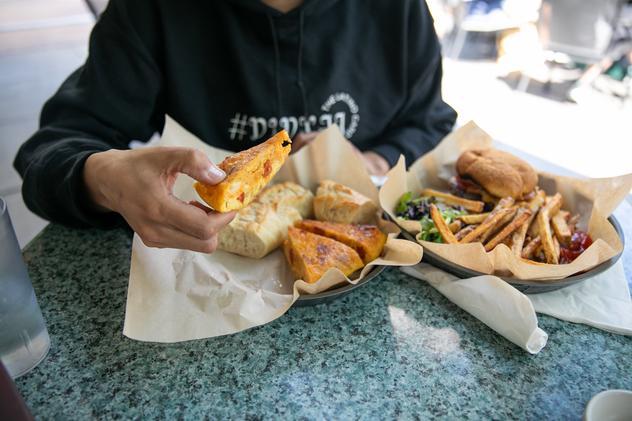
<point x="314" y="233"/>
<point x="477" y="210"/>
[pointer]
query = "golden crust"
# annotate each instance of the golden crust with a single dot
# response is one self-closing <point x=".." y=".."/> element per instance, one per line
<point x="311" y="255"/>
<point x="247" y="172"/>
<point x="367" y="240"/>
<point x="500" y="173"/>
<point x="289" y="194"/>
<point x="337" y="203"/>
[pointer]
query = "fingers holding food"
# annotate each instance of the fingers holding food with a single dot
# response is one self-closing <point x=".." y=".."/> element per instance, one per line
<point x="247" y="173"/>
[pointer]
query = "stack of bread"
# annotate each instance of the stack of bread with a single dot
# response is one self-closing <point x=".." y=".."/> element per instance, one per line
<point x="344" y="234"/>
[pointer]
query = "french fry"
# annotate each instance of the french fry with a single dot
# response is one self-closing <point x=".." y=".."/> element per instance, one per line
<point x="475" y="218"/>
<point x="519" y="235"/>
<point x="521" y="217"/>
<point x="544" y="229"/>
<point x="532" y="262"/>
<point x="503" y="221"/>
<point x="502" y="208"/>
<point x="455" y="226"/>
<point x="529" y="250"/>
<point x="572" y="223"/>
<point x="450" y="199"/>
<point x="560" y="227"/>
<point x="442" y="227"/>
<point x="462" y="233"/>
<point x="556" y="247"/>
<point x="553" y="205"/>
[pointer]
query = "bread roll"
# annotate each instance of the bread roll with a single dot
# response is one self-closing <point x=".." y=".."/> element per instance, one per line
<point x="262" y="226"/>
<point x="500" y="173"/>
<point x="257" y="229"/>
<point x="337" y="203"/>
<point x="290" y="194"/>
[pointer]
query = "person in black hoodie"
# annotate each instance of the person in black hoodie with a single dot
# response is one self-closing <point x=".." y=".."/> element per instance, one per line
<point x="233" y="72"/>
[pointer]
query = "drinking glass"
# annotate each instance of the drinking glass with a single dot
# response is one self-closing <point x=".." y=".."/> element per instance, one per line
<point x="24" y="340"/>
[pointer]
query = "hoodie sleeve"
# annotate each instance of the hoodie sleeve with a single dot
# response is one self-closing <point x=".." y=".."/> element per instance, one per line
<point x="424" y="119"/>
<point x="112" y="99"/>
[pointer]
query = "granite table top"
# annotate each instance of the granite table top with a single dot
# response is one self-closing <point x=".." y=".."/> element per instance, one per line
<point x="392" y="348"/>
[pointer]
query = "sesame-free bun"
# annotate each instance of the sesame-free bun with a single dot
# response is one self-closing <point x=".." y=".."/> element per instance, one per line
<point x="500" y="173"/>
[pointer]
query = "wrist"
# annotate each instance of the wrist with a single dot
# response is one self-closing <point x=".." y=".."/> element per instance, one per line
<point x="94" y="171"/>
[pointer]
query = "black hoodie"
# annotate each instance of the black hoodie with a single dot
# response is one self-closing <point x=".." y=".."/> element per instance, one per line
<point x="233" y="72"/>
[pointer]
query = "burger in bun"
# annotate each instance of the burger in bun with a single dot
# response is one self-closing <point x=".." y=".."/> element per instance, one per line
<point x="499" y="173"/>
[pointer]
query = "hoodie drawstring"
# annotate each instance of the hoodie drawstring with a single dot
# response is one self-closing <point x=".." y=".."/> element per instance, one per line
<point x="299" y="64"/>
<point x="277" y="59"/>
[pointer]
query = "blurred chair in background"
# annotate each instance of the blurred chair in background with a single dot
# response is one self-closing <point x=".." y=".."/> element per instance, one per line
<point x="572" y="34"/>
<point x="488" y="16"/>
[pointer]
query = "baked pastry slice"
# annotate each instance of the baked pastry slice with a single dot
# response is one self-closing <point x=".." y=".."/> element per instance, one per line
<point x="337" y="203"/>
<point x="257" y="229"/>
<point x="367" y="240"/>
<point x="289" y="194"/>
<point x="247" y="172"/>
<point x="311" y="255"/>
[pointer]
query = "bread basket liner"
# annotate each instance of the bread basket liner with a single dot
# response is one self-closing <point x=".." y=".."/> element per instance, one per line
<point x="179" y="295"/>
<point x="593" y="199"/>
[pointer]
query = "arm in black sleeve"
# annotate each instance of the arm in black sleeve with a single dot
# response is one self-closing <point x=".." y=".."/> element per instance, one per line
<point x="112" y="99"/>
<point x="424" y="119"/>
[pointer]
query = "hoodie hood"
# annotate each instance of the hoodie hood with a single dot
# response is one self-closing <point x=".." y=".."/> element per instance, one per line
<point x="298" y="15"/>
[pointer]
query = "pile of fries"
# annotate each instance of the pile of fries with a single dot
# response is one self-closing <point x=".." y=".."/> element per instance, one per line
<point x="536" y="229"/>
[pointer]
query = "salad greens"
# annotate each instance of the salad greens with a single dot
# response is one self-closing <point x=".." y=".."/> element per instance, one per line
<point x="419" y="209"/>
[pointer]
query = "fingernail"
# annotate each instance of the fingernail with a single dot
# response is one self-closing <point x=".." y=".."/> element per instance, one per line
<point x="216" y="174"/>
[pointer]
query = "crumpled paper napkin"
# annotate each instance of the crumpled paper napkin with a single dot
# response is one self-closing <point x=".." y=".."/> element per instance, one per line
<point x="602" y="301"/>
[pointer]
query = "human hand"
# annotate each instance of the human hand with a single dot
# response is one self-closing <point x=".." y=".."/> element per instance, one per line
<point x="138" y="185"/>
<point x="302" y="139"/>
<point x="374" y="162"/>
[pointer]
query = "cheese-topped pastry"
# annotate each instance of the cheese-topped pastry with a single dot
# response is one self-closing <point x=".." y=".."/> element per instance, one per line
<point x="247" y="172"/>
<point x="262" y="226"/>
<point x="311" y="255"/>
<point x="367" y="240"/>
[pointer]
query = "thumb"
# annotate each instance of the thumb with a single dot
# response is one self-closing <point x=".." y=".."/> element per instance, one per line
<point x="196" y="165"/>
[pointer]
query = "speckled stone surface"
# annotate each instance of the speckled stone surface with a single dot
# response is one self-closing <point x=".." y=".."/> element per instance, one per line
<point x="393" y="348"/>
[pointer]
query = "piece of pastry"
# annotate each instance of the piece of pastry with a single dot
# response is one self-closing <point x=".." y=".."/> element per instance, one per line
<point x="367" y="240"/>
<point x="337" y="203"/>
<point x="257" y="229"/>
<point x="289" y="194"/>
<point x="247" y="172"/>
<point x="311" y="255"/>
